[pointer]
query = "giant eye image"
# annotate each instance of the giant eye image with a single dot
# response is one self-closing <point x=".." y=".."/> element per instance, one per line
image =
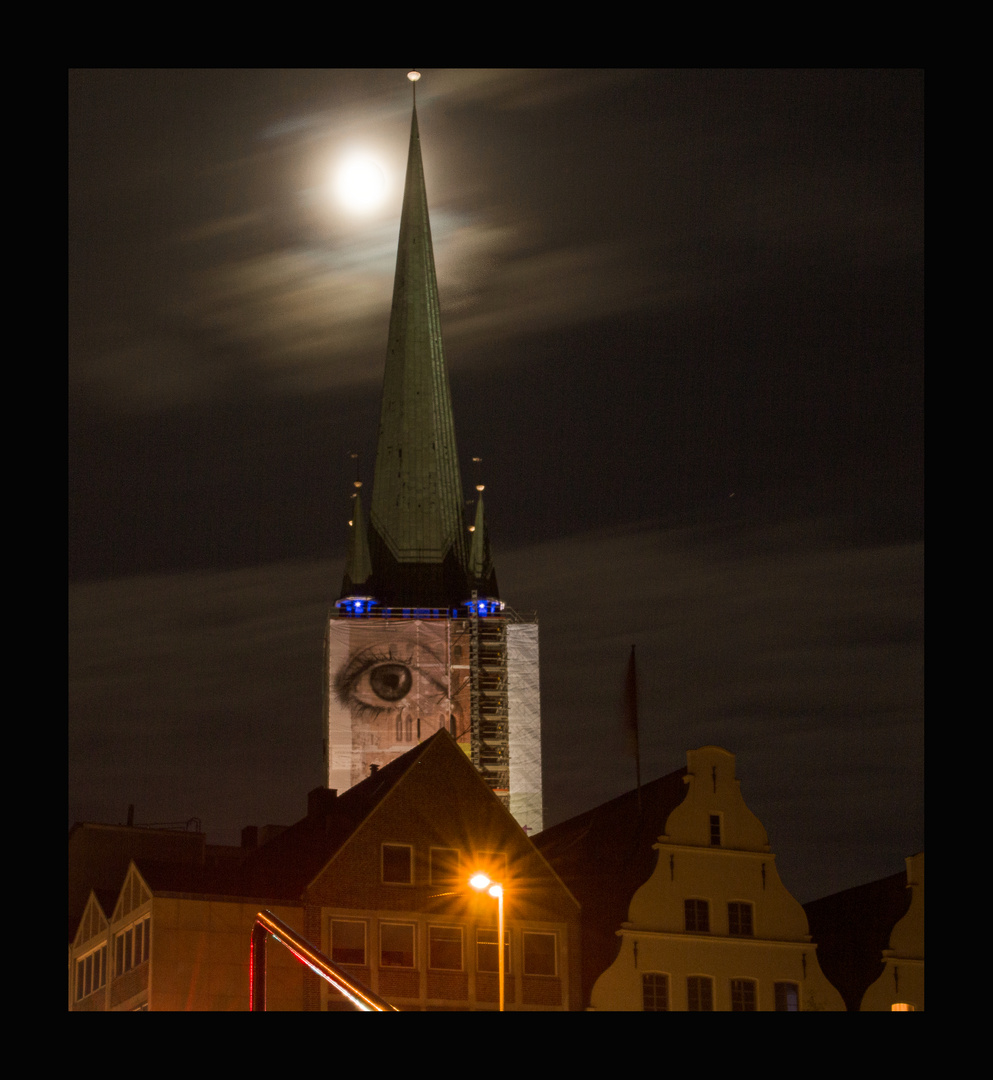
<point x="390" y="689"/>
<point x="391" y="681"/>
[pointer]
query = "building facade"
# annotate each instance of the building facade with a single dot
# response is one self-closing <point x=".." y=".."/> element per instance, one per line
<point x="713" y="928"/>
<point x="375" y="878"/>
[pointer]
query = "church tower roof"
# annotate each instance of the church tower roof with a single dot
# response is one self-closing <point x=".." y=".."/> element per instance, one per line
<point x="418" y="542"/>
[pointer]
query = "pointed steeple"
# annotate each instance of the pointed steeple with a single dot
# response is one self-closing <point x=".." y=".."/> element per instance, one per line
<point x="417" y="534"/>
<point x="358" y="565"/>
<point x="478" y="553"/>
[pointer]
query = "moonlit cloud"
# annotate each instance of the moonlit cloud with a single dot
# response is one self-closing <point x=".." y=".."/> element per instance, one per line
<point x="780" y="640"/>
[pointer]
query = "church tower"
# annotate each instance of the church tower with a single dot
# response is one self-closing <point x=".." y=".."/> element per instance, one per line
<point x="420" y="639"/>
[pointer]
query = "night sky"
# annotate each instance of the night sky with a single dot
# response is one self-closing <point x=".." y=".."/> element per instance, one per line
<point x="684" y="322"/>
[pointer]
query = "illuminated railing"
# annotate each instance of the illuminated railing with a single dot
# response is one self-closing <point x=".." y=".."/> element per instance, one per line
<point x="368" y="607"/>
<point x="265" y="924"/>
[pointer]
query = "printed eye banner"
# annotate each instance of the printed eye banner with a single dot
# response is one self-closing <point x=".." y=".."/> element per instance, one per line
<point x="392" y="683"/>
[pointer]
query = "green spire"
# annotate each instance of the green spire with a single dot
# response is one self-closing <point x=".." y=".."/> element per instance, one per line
<point x="417" y="491"/>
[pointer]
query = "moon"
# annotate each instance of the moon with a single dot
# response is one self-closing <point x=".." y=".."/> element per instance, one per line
<point x="360" y="184"/>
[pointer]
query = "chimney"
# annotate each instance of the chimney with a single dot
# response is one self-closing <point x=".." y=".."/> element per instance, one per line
<point x="320" y="801"/>
<point x="250" y="837"/>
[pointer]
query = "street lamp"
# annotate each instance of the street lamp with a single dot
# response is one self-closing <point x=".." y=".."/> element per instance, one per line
<point x="482" y="883"/>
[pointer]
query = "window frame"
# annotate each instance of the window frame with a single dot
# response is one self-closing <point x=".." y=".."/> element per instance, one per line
<point x="439" y="878"/>
<point x="494" y="945"/>
<point x="716" y="830"/>
<point x="91" y="971"/>
<point x="525" y="934"/>
<point x="782" y="991"/>
<point x="442" y="928"/>
<point x="655" y="980"/>
<point x="694" y="985"/>
<point x="744" y="995"/>
<point x="412" y="927"/>
<point x="700" y="905"/>
<point x="409" y="848"/>
<point x="364" y="962"/>
<point x="741" y="918"/>
<point x="129" y="943"/>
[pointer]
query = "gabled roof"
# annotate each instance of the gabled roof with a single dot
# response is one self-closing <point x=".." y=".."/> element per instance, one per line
<point x="604" y="855"/>
<point x="287" y="864"/>
<point x="852" y="928"/>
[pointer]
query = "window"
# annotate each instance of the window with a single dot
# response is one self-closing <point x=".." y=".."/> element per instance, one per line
<point x="787" y="997"/>
<point x="743" y="995"/>
<point x="444" y="866"/>
<point x="131" y="946"/>
<point x="91" y="972"/>
<point x="697" y="916"/>
<point x="539" y="954"/>
<point x="715" y="830"/>
<point x="740" y="919"/>
<point x="445" y="948"/>
<point x="398" y="864"/>
<point x="396" y="945"/>
<point x="700" y="993"/>
<point x="347" y="941"/>
<point x="488" y="953"/>
<point x="655" y="992"/>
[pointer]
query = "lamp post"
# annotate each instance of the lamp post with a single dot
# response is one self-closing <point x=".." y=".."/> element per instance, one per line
<point x="482" y="883"/>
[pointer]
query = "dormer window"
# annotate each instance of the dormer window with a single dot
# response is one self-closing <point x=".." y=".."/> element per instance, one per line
<point x="398" y="864"/>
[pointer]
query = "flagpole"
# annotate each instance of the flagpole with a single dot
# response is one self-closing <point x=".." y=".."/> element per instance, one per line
<point x="631" y="719"/>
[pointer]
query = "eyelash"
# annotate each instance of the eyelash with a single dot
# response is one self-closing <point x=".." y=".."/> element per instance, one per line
<point x="348" y="677"/>
<point x="347" y="680"/>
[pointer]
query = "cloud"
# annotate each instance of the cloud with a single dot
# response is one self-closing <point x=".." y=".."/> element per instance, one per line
<point x="199" y="694"/>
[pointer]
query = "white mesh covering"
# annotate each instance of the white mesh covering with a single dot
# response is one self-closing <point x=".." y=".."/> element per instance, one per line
<point x="524" y="715"/>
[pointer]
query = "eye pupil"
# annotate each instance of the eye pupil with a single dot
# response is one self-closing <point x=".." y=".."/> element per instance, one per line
<point x="390" y="681"/>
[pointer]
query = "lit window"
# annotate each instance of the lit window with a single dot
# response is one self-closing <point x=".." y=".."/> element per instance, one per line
<point x="347" y="941"/>
<point x="398" y="864"/>
<point x="444" y="866"/>
<point x="902" y="1006"/>
<point x="445" y="948"/>
<point x="743" y="996"/>
<point x="715" y="830"/>
<point x="396" y="945"/>
<point x="700" y="993"/>
<point x="655" y="992"/>
<point x="487" y="952"/>
<point x="91" y="972"/>
<point x="697" y="916"/>
<point x="539" y="954"/>
<point x="132" y="946"/>
<point x="740" y="919"/>
<point x="787" y="997"/>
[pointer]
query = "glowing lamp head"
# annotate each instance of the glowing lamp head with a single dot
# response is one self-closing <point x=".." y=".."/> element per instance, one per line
<point x="413" y="75"/>
<point x="481" y="883"/>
